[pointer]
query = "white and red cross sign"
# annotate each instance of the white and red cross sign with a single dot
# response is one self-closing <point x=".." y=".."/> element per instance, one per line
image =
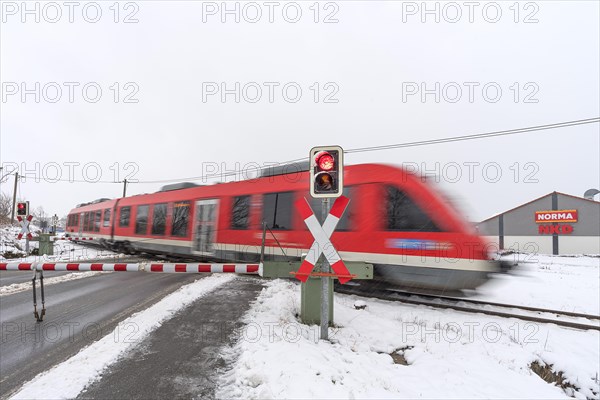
<point x="322" y="244"/>
<point x="25" y="227"/>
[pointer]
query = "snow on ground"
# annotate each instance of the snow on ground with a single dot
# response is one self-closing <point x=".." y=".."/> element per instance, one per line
<point x="553" y="282"/>
<point x="20" y="287"/>
<point x="450" y="354"/>
<point x="63" y="250"/>
<point x="69" y="378"/>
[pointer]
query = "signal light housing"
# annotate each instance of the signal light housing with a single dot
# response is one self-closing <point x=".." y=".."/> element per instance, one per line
<point x="326" y="171"/>
<point x="23" y="208"/>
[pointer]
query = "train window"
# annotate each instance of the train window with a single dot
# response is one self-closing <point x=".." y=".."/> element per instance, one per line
<point x="106" y="217"/>
<point x="404" y="215"/>
<point x="97" y="221"/>
<point x="181" y="214"/>
<point x="240" y="212"/>
<point x="76" y="219"/>
<point x="141" y="220"/>
<point x="86" y="221"/>
<point x="345" y="222"/>
<point x="277" y="210"/>
<point x="124" y="215"/>
<point x="159" y="219"/>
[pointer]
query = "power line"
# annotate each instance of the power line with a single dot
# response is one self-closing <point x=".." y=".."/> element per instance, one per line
<point x="476" y="136"/>
<point x="410" y="144"/>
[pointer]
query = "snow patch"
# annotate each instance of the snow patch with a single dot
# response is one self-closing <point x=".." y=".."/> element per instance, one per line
<point x="449" y="354"/>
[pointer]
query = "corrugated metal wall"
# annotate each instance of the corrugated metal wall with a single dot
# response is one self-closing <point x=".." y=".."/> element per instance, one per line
<point x="516" y="229"/>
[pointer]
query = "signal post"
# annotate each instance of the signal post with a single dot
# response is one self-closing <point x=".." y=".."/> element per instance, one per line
<point x="326" y="167"/>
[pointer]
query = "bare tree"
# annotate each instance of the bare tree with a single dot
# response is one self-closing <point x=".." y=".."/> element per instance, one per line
<point x="41" y="217"/>
<point x="5" y="208"/>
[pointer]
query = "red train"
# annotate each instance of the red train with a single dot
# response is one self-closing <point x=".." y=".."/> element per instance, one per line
<point x="395" y="221"/>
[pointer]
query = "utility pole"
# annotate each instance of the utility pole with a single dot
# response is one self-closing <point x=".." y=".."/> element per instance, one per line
<point x="124" y="187"/>
<point x="12" y="214"/>
<point x="324" y="280"/>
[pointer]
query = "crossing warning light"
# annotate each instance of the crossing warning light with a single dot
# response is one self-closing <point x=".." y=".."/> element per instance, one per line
<point x="326" y="171"/>
<point x="23" y="209"/>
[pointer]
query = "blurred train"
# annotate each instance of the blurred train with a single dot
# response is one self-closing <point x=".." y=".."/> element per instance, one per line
<point x="412" y="236"/>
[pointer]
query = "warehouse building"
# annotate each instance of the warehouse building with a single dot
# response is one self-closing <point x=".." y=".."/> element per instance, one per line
<point x="556" y="223"/>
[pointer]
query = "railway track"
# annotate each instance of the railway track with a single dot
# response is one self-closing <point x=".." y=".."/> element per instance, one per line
<point x="532" y="314"/>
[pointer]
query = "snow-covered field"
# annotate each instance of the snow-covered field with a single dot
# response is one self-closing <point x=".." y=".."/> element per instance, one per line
<point x="448" y="354"/>
<point x="63" y="250"/>
<point x="552" y="282"/>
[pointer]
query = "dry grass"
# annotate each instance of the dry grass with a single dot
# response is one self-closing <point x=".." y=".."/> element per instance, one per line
<point x="546" y="372"/>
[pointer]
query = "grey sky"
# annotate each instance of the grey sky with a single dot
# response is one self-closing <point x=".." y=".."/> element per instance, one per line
<point x="367" y="61"/>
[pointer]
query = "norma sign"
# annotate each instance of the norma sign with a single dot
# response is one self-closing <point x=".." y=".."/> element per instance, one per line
<point x="562" y="216"/>
<point x="555" y="229"/>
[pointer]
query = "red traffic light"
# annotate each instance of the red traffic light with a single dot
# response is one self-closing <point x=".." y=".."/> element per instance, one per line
<point x="326" y="171"/>
<point x="324" y="161"/>
<point x="22" y="209"/>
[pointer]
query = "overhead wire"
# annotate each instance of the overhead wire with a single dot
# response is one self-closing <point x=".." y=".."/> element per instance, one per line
<point x="428" y="142"/>
<point x="406" y="144"/>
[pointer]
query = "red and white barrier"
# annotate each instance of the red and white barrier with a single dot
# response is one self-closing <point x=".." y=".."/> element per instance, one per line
<point x="322" y="244"/>
<point x="81" y="267"/>
<point x="214" y="268"/>
<point x="135" y="267"/>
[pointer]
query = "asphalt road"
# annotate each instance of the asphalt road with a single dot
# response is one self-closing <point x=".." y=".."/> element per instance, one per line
<point x="181" y="359"/>
<point x="12" y="277"/>
<point x="78" y="313"/>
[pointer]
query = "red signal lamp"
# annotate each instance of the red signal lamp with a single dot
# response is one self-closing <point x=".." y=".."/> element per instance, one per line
<point x="22" y="209"/>
<point x="326" y="166"/>
<point x="325" y="161"/>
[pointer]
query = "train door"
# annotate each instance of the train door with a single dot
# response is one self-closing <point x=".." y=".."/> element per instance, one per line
<point x="80" y="230"/>
<point x="205" y="227"/>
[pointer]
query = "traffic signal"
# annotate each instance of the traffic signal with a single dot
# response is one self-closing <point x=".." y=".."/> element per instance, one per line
<point x="326" y="171"/>
<point x="23" y="209"/>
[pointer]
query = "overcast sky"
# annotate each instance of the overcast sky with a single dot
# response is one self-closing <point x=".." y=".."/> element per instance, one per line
<point x="361" y="69"/>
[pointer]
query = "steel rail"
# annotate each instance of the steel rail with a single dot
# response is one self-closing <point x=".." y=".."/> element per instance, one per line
<point x="404" y="297"/>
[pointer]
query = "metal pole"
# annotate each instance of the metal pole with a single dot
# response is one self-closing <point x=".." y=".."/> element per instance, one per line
<point x="324" y="280"/>
<point x="124" y="187"/>
<point x="262" y="246"/>
<point x="12" y="214"/>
